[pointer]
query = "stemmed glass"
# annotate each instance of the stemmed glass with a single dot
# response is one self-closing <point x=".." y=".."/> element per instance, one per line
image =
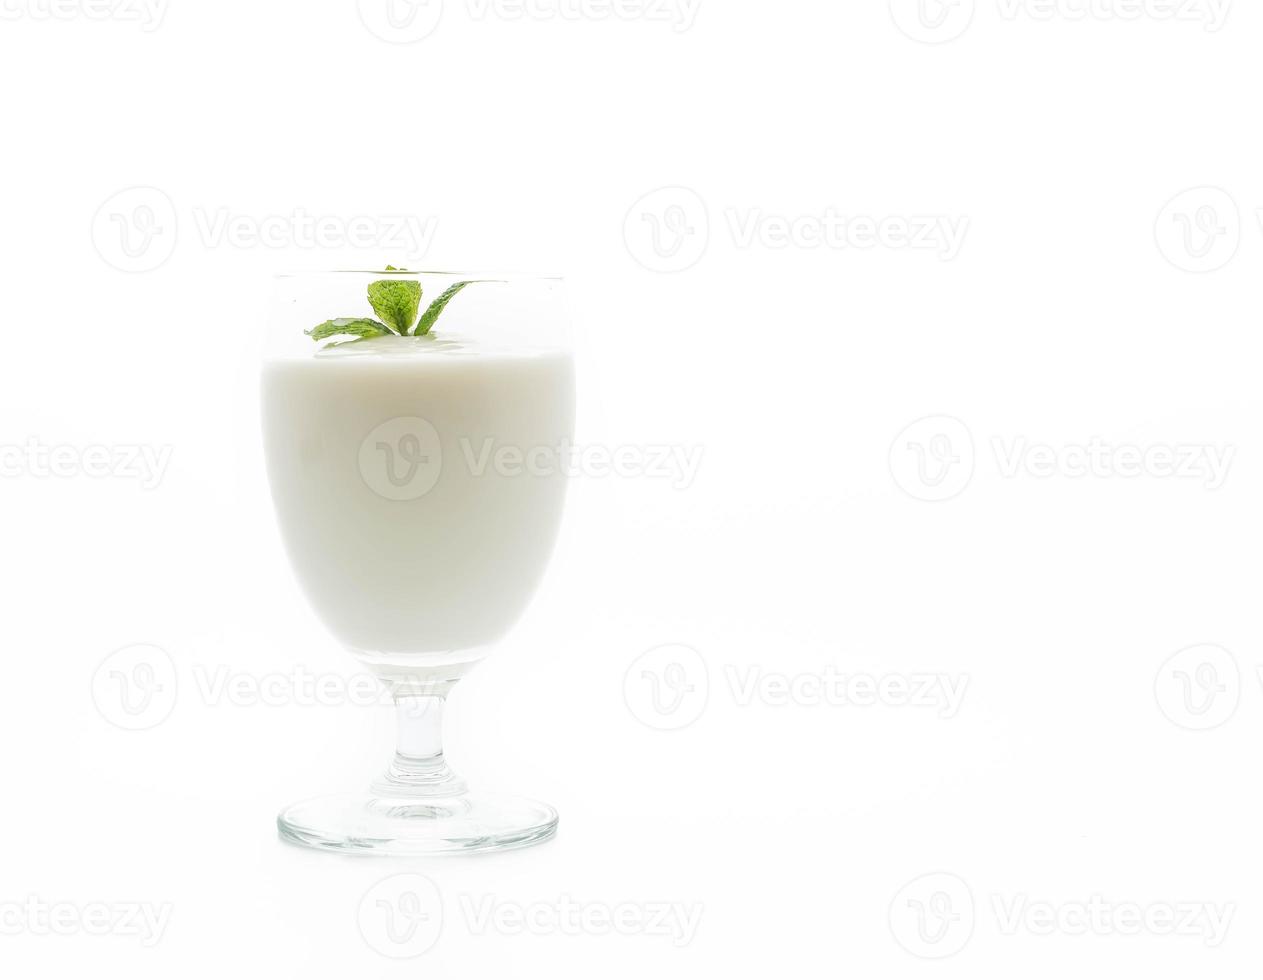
<point x="418" y="488"/>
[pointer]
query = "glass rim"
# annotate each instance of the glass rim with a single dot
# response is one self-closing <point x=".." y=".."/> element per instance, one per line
<point x="483" y="274"/>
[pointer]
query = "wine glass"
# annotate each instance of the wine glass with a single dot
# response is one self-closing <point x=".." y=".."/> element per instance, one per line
<point x="414" y="428"/>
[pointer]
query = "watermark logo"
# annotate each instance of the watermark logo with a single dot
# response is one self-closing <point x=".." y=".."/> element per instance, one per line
<point x="667" y="230"/>
<point x="400" y="21"/>
<point x="402" y="458"/>
<point x="932" y="917"/>
<point x="135" y="688"/>
<point x="933" y="458"/>
<point x="932" y="21"/>
<point x="667" y="688"/>
<point x="135" y="229"/>
<point x="1199" y="687"/>
<point x="1199" y="230"/>
<point x="401" y="917"/>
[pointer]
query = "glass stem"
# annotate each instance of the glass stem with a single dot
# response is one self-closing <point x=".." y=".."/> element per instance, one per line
<point x="418" y="769"/>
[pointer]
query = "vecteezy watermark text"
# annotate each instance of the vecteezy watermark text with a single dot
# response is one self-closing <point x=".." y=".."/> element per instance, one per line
<point x="670" y="686"/>
<point x="137" y="229"/>
<point x="403" y="459"/>
<point x="1211" y="14"/>
<point x="145" y="464"/>
<point x="147" y="13"/>
<point x="34" y="916"/>
<point x="402" y="917"/>
<point x="934" y="916"/>
<point x="303" y="230"/>
<point x="566" y="916"/>
<point x="409" y="21"/>
<point x="137" y="687"/>
<point x="298" y="687"/>
<point x="677" y="464"/>
<point x="1099" y="916"/>
<point x="935" y="459"/>
<point x="835" y="688"/>
<point x="942" y="234"/>
<point x="669" y="230"/>
<point x="1098" y="458"/>
<point x="939" y="21"/>
<point x="680" y="15"/>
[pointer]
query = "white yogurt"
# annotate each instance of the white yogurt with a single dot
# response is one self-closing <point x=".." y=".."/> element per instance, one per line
<point x="402" y="546"/>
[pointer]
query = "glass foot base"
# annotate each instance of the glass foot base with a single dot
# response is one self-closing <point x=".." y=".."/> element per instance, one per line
<point x="361" y="823"/>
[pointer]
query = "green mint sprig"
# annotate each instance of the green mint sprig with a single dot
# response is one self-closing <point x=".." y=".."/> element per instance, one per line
<point x="396" y="302"/>
<point x="439" y="305"/>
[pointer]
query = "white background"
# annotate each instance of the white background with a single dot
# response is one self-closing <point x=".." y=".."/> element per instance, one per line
<point x="1075" y="309"/>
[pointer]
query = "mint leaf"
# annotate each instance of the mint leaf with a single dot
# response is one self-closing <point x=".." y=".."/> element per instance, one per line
<point x="396" y="302"/>
<point x="439" y="305"/>
<point x="350" y="326"/>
